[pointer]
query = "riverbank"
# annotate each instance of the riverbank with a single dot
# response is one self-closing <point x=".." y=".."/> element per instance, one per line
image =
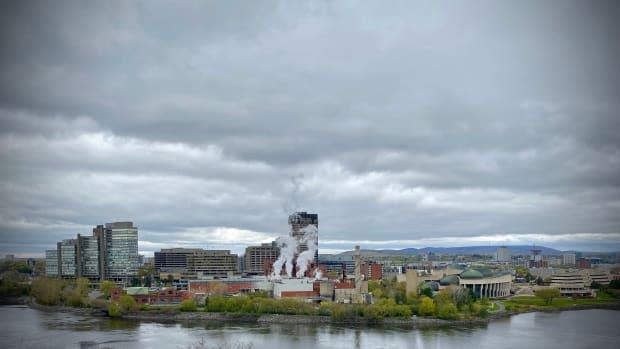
<point x="415" y="322"/>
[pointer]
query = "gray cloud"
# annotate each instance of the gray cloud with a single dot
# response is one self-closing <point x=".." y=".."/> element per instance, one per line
<point x="407" y="121"/>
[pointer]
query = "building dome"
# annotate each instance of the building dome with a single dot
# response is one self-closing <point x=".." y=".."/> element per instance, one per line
<point x="449" y="280"/>
<point x="471" y="274"/>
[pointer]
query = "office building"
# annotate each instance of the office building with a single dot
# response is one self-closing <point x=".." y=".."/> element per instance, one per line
<point x="256" y="256"/>
<point x="88" y="257"/>
<point x="67" y="258"/>
<point x="210" y="263"/>
<point x="51" y="263"/>
<point x="568" y="259"/>
<point x="173" y="259"/>
<point x="121" y="250"/>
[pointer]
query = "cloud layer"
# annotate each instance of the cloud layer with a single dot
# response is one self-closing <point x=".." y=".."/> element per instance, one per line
<point x="415" y="123"/>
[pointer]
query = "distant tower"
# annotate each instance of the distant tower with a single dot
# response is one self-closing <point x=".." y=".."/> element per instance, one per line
<point x="300" y="220"/>
<point x="502" y="254"/>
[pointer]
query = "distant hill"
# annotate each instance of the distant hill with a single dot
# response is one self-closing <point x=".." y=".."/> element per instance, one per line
<point x="485" y="250"/>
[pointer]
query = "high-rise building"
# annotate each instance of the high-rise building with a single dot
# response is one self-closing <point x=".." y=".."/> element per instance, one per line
<point x="120" y="250"/>
<point x="502" y="254"/>
<point x="88" y="257"/>
<point x="218" y="263"/>
<point x="298" y="222"/>
<point x="568" y="259"/>
<point x="51" y="263"/>
<point x="255" y="257"/>
<point x="67" y="258"/>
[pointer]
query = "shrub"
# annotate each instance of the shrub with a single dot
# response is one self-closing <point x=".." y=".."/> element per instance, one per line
<point x="427" y="306"/>
<point x="127" y="303"/>
<point x="114" y="310"/>
<point x="447" y="311"/>
<point x="47" y="291"/>
<point x="188" y="305"/>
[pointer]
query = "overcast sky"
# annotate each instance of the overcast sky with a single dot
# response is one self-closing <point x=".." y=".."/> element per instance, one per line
<point x="402" y="124"/>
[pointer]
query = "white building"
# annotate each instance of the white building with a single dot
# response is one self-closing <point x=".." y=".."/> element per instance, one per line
<point x="568" y="259"/>
<point x="502" y="254"/>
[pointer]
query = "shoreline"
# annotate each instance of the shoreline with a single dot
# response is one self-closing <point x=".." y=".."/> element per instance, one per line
<point x="414" y="322"/>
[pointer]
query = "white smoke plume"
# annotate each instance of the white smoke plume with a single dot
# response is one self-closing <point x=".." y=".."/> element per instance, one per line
<point x="304" y="258"/>
<point x="288" y="248"/>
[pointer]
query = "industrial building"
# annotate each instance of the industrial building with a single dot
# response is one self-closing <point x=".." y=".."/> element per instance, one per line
<point x="298" y="221"/>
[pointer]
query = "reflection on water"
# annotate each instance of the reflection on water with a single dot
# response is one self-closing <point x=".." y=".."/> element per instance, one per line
<point x="23" y="327"/>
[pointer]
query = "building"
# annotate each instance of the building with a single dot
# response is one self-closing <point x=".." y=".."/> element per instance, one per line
<point x="205" y="263"/>
<point x="228" y="286"/>
<point x="570" y="284"/>
<point x="372" y="271"/>
<point x="173" y="260"/>
<point x="502" y="254"/>
<point x="298" y="221"/>
<point x="51" y="263"/>
<point x="67" y="258"/>
<point x="88" y="257"/>
<point x="121" y="250"/>
<point x="568" y="259"/>
<point x="256" y="256"/>
<point x="583" y="263"/>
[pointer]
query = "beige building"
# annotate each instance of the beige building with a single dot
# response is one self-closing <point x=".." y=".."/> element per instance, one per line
<point x="255" y="257"/>
<point x="205" y="263"/>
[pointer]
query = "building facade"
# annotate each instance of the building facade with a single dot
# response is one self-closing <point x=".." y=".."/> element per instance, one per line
<point x="88" y="257"/>
<point x="173" y="260"/>
<point x="502" y="254"/>
<point x="205" y="263"/>
<point x="67" y="258"/>
<point x="568" y="259"/>
<point x="121" y="250"/>
<point x="51" y="263"/>
<point x="256" y="256"/>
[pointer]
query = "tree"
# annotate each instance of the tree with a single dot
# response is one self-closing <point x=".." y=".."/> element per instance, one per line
<point x="547" y="294"/>
<point x="106" y="288"/>
<point x="47" y="291"/>
<point x="447" y="311"/>
<point x="127" y="303"/>
<point x="427" y="306"/>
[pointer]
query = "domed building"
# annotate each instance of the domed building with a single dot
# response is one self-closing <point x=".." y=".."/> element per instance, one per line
<point x="486" y="283"/>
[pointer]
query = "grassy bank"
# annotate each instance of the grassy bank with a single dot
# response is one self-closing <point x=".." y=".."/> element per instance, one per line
<point x="531" y="303"/>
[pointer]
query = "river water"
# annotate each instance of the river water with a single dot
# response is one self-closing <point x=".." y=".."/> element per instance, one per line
<point x="23" y="327"/>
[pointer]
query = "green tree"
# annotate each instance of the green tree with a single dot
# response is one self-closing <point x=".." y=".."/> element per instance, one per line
<point x="47" y="291"/>
<point x="127" y="303"/>
<point x="548" y="294"/>
<point x="106" y="288"/>
<point x="427" y="306"/>
<point x="447" y="311"/>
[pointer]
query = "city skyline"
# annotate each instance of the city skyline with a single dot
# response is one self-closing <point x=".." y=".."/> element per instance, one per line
<point x="411" y="125"/>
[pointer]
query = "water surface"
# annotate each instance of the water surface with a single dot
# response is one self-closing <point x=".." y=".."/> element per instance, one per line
<point x="23" y="327"/>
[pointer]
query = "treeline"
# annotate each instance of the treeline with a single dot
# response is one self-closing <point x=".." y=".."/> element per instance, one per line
<point x="74" y="293"/>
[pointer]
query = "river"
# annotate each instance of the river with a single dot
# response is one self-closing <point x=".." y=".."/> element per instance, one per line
<point x="23" y="327"/>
